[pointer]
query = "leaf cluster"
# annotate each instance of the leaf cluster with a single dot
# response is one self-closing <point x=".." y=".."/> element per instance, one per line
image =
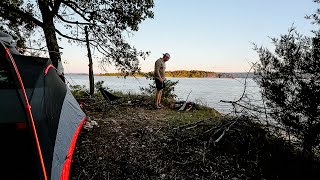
<point x="107" y="22"/>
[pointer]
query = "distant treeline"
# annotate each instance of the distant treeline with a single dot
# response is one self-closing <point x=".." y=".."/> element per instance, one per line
<point x="191" y="74"/>
<point x="187" y="74"/>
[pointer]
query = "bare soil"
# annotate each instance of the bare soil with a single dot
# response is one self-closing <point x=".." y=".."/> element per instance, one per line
<point x="137" y="141"/>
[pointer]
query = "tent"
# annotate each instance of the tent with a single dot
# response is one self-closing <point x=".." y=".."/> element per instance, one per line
<point x="40" y="119"/>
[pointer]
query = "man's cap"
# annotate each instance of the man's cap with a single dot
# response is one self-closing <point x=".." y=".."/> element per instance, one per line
<point x="166" y="54"/>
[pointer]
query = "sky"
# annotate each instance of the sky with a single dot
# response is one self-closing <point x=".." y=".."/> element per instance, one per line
<point x="207" y="35"/>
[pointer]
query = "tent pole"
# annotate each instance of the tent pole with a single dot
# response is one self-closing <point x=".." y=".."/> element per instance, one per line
<point x="28" y="109"/>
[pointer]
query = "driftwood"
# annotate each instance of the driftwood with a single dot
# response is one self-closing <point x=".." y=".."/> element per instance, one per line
<point x="184" y="104"/>
<point x="190" y="125"/>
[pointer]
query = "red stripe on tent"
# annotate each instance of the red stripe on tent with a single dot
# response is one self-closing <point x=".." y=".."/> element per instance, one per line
<point x="7" y="55"/>
<point x="66" y="166"/>
<point x="48" y="67"/>
<point x="21" y="125"/>
<point x="28" y="110"/>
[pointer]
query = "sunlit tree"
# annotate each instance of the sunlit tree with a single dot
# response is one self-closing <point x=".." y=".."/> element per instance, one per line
<point x="107" y="20"/>
<point x="289" y="79"/>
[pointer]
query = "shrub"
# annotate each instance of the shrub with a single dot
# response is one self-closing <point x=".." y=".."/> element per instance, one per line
<point x="79" y="91"/>
<point x="168" y="91"/>
<point x="290" y="82"/>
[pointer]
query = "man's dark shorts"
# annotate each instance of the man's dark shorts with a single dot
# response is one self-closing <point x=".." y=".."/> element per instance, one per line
<point x="159" y="85"/>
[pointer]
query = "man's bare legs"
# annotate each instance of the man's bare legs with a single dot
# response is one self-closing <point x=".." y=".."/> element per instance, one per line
<point x="158" y="98"/>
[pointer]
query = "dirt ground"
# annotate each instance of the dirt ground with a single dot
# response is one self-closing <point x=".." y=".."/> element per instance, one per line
<point x="131" y="142"/>
<point x="137" y="141"/>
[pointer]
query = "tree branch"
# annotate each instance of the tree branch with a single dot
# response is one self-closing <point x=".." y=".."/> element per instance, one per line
<point x="224" y="132"/>
<point x="56" y="6"/>
<point x="24" y="15"/>
<point x="71" y="22"/>
<point x="75" y="9"/>
<point x="69" y="37"/>
<point x="76" y="5"/>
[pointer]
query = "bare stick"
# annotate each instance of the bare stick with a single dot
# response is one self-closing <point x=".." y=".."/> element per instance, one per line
<point x="224" y="132"/>
<point x="185" y="103"/>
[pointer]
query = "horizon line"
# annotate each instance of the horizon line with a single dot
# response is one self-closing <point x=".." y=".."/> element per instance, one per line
<point x="151" y="71"/>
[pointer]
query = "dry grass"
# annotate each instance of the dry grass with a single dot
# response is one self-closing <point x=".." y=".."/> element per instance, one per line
<point x="136" y="141"/>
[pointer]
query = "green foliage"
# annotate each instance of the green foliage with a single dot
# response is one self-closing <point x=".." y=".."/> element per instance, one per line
<point x="106" y="22"/>
<point x="192" y="116"/>
<point x="98" y="85"/>
<point x="168" y="91"/>
<point x="289" y="81"/>
<point x="17" y="26"/>
<point x="79" y="91"/>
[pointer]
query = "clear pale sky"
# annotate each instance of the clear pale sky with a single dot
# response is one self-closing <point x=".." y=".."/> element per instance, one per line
<point x="208" y="35"/>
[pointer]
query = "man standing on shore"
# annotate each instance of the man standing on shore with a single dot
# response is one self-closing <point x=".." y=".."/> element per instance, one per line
<point x="159" y="76"/>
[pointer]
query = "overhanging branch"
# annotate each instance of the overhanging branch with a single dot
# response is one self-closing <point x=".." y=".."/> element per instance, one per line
<point x="76" y="5"/>
<point x="69" y="37"/>
<point x="76" y="10"/>
<point x="71" y="22"/>
<point x="24" y="15"/>
<point x="56" y="6"/>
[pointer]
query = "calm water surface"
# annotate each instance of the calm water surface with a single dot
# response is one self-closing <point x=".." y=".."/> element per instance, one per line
<point x="206" y="91"/>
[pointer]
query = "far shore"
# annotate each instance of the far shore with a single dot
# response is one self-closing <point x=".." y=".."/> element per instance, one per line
<point x="182" y="74"/>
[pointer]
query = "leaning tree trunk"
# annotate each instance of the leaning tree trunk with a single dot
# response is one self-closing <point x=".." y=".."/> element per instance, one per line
<point x="49" y="32"/>
<point x="309" y="140"/>
<point x="91" y="78"/>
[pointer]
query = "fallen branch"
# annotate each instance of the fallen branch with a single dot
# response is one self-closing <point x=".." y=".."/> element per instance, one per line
<point x="224" y="132"/>
<point x="195" y="124"/>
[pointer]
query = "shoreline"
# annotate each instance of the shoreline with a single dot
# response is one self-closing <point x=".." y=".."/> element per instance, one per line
<point x="180" y="74"/>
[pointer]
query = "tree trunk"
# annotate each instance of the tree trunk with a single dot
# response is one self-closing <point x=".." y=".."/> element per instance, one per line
<point x="308" y="143"/>
<point x="49" y="32"/>
<point x="91" y="78"/>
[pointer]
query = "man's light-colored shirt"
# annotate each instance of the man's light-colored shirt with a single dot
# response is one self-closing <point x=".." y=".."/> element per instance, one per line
<point x="159" y="69"/>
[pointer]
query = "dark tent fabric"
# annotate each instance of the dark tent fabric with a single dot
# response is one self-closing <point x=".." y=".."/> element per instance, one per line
<point x="32" y="93"/>
<point x="108" y="96"/>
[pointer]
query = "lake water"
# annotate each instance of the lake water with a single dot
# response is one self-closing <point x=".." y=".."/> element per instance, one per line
<point x="206" y="91"/>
